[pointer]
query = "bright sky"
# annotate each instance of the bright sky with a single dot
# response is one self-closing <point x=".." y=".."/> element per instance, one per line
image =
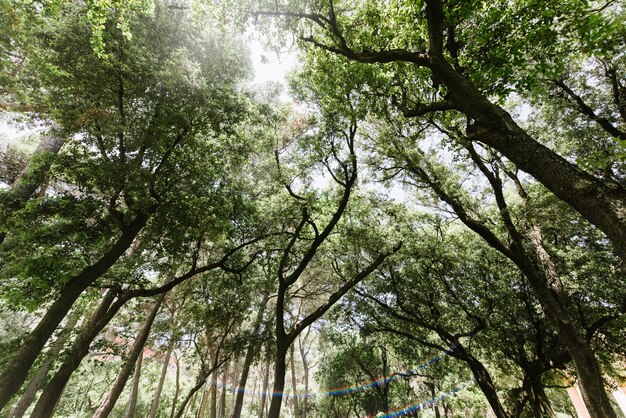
<point x="268" y="65"/>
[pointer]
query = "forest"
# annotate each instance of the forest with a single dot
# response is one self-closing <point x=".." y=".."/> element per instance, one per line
<point x="426" y="217"/>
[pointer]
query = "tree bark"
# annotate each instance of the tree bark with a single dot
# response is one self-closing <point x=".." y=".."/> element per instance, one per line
<point x="266" y="379"/>
<point x="17" y="369"/>
<point x="222" y="402"/>
<point x="109" y="401"/>
<point x="602" y="202"/>
<point x="199" y="383"/>
<point x="484" y="381"/>
<point x="132" y="399"/>
<point x="250" y="353"/>
<point x="213" y="383"/>
<point x="548" y="288"/>
<point x="206" y="394"/>
<point x="541" y="403"/>
<point x="157" y="393"/>
<point x="47" y="402"/>
<point x="39" y="378"/>
<point x="176" y="390"/>
<point x="294" y="383"/>
<point x="282" y="346"/>
<point x="33" y="174"/>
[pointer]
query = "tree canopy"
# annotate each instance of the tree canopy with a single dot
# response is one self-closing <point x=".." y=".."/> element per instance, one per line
<point x="430" y="222"/>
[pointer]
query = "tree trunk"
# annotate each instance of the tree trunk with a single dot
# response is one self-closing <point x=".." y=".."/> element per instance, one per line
<point x="266" y="379"/>
<point x="242" y="382"/>
<point x="294" y="383"/>
<point x="206" y="394"/>
<point x="483" y="379"/>
<point x="213" y="404"/>
<point x="132" y="399"/>
<point x="250" y="353"/>
<point x="541" y="403"/>
<point x="279" y="378"/>
<point x="157" y="393"/>
<point x="109" y="401"/>
<point x="54" y="389"/>
<point x="222" y="402"/>
<point x="176" y="390"/>
<point x="39" y="378"/>
<point x="547" y="286"/>
<point x="601" y="202"/>
<point x="305" y="365"/>
<point x="33" y="174"/>
<point x="17" y="369"/>
<point x="199" y="383"/>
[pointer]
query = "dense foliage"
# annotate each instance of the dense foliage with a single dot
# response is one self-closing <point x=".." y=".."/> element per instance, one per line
<point x="433" y="223"/>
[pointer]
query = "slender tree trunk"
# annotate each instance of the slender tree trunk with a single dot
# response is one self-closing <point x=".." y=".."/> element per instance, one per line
<point x="157" y="393"/>
<point x="250" y="353"/>
<point x="484" y="381"/>
<point x="294" y="383"/>
<point x="54" y="389"/>
<point x="39" y="378"/>
<point x="176" y="390"/>
<point x="199" y="383"/>
<point x="213" y="383"/>
<point x="222" y="402"/>
<point x="255" y="386"/>
<point x="132" y="399"/>
<point x="109" y="401"/>
<point x="282" y="346"/>
<point x="192" y="404"/>
<point x="17" y="369"/>
<point x="206" y="394"/>
<point x="266" y="379"/>
<point x="305" y="365"/>
<point x="239" y="397"/>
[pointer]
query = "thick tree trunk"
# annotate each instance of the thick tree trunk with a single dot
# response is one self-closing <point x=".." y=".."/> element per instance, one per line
<point x="132" y="399"/>
<point x="17" y="369"/>
<point x="157" y="393"/>
<point x="547" y="286"/>
<point x="33" y="174"/>
<point x="279" y="378"/>
<point x="39" y="378"/>
<point x="601" y="202"/>
<point x="109" y="401"/>
<point x="541" y="403"/>
<point x="54" y="389"/>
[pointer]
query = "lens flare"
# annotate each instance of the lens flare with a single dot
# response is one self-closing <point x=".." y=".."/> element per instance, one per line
<point x="345" y="390"/>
